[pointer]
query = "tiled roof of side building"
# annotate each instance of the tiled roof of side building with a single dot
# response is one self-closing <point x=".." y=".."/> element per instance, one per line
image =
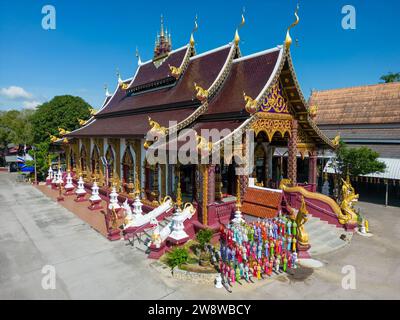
<point x="379" y="103"/>
<point x="248" y="75"/>
<point x="202" y="69"/>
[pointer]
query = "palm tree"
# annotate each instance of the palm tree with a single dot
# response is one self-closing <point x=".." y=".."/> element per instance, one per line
<point x="391" y="77"/>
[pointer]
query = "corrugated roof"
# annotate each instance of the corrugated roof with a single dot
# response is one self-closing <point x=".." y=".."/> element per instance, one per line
<point x="392" y="170"/>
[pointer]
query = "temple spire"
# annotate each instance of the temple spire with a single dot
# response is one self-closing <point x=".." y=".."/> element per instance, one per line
<point x="163" y="41"/>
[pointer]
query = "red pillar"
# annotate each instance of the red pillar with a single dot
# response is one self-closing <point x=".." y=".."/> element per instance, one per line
<point x="211" y="184"/>
<point x="292" y="154"/>
<point x="312" y="170"/>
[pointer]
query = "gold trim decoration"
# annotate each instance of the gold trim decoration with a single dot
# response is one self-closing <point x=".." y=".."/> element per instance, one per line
<point x="271" y="126"/>
<point x="175" y="71"/>
<point x="201" y="94"/>
<point x="336" y="140"/>
<point x="275" y="102"/>
<point x="288" y="39"/>
<point x="251" y="104"/>
<point x="62" y="132"/>
<point x="312" y="111"/>
<point x="343" y="218"/>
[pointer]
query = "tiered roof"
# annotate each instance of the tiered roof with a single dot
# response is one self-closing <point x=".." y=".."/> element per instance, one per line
<point x="164" y="89"/>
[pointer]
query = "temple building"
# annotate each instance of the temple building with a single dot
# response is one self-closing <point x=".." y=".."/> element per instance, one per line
<point x="366" y="116"/>
<point x="218" y="89"/>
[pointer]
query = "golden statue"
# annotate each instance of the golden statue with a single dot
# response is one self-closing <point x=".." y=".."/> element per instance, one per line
<point x="175" y="71"/>
<point x="201" y="94"/>
<point x="336" y="140"/>
<point x="63" y="132"/>
<point x="82" y="122"/>
<point x="312" y="111"/>
<point x="155" y="129"/>
<point x="92" y="111"/>
<point x="349" y="196"/>
<point x="251" y="104"/>
<point x="53" y="139"/>
<point x="301" y="219"/>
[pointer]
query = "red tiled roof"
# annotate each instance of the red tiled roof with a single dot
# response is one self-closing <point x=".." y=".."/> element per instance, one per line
<point x="203" y="70"/>
<point x="261" y="203"/>
<point x="378" y="103"/>
<point x="149" y="72"/>
<point x="247" y="75"/>
<point x="129" y="125"/>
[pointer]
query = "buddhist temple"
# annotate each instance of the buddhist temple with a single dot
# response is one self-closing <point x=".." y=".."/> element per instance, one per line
<point x="219" y="89"/>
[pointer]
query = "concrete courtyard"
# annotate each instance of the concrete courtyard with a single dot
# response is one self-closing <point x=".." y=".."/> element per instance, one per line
<point x="35" y="232"/>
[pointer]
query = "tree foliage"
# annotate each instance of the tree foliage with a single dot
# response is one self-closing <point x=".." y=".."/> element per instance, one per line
<point x="391" y="77"/>
<point x="60" y="112"/>
<point x="177" y="257"/>
<point x="357" y="161"/>
<point x="15" y="127"/>
<point x="203" y="237"/>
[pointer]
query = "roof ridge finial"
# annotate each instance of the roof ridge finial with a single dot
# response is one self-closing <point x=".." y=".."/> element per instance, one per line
<point x="138" y="56"/>
<point x="119" y="76"/>
<point x="288" y="39"/>
<point x="106" y="90"/>
<point x="237" y="37"/>
<point x="196" y="26"/>
<point x="162" y="26"/>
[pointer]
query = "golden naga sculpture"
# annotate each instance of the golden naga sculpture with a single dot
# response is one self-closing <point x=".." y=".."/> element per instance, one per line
<point x="92" y="111"/>
<point x="53" y="138"/>
<point x="156" y="130"/>
<point x="175" y="71"/>
<point x="288" y="39"/>
<point x="251" y="104"/>
<point x="63" y="132"/>
<point x="201" y="94"/>
<point x="301" y="219"/>
<point x="336" y="140"/>
<point x="312" y="111"/>
<point x="349" y="196"/>
<point x="82" y="122"/>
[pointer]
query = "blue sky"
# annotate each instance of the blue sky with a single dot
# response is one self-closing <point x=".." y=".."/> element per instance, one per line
<point x="93" y="38"/>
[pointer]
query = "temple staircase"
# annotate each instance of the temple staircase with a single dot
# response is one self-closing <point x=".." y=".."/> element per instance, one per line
<point x="325" y="237"/>
<point x="142" y="240"/>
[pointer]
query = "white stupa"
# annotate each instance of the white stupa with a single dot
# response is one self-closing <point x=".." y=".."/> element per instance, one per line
<point x="113" y="199"/>
<point x="80" y="191"/>
<point x="69" y="185"/>
<point x="95" y="193"/>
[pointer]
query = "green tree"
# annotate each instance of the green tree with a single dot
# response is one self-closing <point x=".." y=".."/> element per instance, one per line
<point x="60" y="112"/>
<point x="391" y="77"/>
<point x="203" y="237"/>
<point x="356" y="161"/>
<point x="177" y="257"/>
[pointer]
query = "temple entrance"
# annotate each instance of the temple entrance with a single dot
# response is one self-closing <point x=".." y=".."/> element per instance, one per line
<point x="110" y="166"/>
<point x="228" y="178"/>
<point x="127" y="170"/>
<point x="83" y="157"/>
<point x="188" y="182"/>
<point x="270" y="159"/>
<point x="95" y="161"/>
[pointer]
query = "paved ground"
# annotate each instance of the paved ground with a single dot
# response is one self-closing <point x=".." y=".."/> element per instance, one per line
<point x="34" y="232"/>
